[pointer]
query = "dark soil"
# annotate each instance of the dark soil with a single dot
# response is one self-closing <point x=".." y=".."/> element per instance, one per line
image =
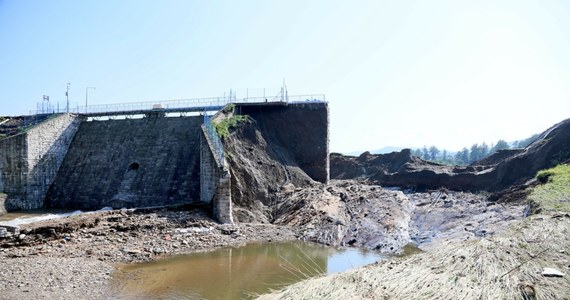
<point x="495" y="173"/>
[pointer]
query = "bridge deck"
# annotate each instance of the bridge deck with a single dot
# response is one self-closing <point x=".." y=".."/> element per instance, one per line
<point x="150" y="111"/>
<point x="176" y="106"/>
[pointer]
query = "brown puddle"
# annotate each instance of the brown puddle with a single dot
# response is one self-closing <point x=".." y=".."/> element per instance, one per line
<point x="234" y="273"/>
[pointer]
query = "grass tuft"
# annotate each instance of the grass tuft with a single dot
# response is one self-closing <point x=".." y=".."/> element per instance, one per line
<point x="554" y="192"/>
<point x="223" y="128"/>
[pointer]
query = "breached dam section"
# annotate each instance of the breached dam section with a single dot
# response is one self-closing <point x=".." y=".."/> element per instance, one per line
<point x="168" y="157"/>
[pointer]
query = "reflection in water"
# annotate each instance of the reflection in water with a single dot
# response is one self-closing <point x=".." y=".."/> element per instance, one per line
<point x="234" y="273"/>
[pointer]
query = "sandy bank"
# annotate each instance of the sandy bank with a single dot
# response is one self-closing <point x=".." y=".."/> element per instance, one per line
<point x="506" y="266"/>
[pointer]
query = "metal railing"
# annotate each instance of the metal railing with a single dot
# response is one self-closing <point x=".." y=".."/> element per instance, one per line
<point x="214" y="139"/>
<point x="46" y="108"/>
<point x="288" y="99"/>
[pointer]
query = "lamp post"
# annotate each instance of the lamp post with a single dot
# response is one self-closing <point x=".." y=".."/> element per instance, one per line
<point x="67" y="96"/>
<point x="87" y="95"/>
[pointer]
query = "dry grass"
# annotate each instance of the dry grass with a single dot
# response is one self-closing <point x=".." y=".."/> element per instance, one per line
<point x="507" y="266"/>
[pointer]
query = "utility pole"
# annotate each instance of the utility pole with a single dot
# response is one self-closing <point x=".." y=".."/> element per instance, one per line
<point x="87" y="95"/>
<point x="67" y="96"/>
<point x="46" y="98"/>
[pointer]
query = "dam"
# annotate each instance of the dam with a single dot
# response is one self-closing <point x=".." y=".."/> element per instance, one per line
<point x="144" y="156"/>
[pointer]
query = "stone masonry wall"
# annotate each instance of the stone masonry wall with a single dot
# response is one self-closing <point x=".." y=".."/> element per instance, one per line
<point x="215" y="183"/>
<point x="30" y="161"/>
<point x="301" y="128"/>
<point x="210" y="170"/>
<point x="48" y="144"/>
<point x="13" y="169"/>
<point x="222" y="207"/>
<point x="130" y="163"/>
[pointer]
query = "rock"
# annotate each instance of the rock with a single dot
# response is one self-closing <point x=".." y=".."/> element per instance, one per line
<point x="21" y="236"/>
<point x="7" y="230"/>
<point x="551" y="272"/>
<point x="133" y="251"/>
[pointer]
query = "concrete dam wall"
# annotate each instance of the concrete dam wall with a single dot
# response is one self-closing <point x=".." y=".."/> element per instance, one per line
<point x="130" y="163"/>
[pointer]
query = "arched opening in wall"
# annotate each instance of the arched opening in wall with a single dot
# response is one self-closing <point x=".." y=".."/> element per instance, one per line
<point x="124" y="196"/>
<point x="129" y="176"/>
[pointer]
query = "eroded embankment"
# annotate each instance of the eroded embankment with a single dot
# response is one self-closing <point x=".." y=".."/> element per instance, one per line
<point x="505" y="266"/>
<point x="351" y="213"/>
<point x="269" y="186"/>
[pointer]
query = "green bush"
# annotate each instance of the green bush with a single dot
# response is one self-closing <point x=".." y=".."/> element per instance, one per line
<point x="229" y="108"/>
<point x="223" y="128"/>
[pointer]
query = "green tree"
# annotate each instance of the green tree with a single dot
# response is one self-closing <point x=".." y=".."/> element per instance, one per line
<point x="464" y="156"/>
<point x="417" y="153"/>
<point x="425" y="152"/>
<point x="527" y="141"/>
<point x="474" y="154"/>
<point x="483" y="150"/>
<point x="500" y="145"/>
<point x="433" y="152"/>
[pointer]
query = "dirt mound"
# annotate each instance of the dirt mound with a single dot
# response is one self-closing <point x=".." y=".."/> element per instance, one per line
<point x="402" y="169"/>
<point x="347" y="167"/>
<point x="352" y="213"/>
<point x="497" y="172"/>
<point x="348" y="213"/>
<point x="260" y="166"/>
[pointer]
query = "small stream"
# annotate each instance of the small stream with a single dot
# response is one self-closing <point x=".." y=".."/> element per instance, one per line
<point x="234" y="273"/>
<point x="29" y="216"/>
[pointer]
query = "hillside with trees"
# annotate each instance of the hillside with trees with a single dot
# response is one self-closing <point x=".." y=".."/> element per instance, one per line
<point x="468" y="155"/>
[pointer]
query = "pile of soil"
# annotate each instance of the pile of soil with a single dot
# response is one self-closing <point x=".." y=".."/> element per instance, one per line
<point x="260" y="166"/>
<point x="352" y="213"/>
<point x="495" y="173"/>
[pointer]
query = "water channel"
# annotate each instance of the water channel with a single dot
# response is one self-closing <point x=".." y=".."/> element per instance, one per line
<point x="29" y="216"/>
<point x="234" y="273"/>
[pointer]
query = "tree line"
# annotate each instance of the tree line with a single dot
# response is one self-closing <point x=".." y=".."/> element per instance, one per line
<point x="469" y="155"/>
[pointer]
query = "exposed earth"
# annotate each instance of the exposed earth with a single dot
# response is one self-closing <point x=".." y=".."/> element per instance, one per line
<point x="73" y="257"/>
<point x="472" y="222"/>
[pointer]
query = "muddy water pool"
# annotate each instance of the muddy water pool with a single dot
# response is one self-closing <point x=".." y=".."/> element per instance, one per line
<point x="234" y="273"/>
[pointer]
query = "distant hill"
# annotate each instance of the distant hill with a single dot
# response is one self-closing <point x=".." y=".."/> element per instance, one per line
<point x="384" y="150"/>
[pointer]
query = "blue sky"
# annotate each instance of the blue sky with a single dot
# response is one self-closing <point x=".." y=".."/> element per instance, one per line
<point x="396" y="73"/>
